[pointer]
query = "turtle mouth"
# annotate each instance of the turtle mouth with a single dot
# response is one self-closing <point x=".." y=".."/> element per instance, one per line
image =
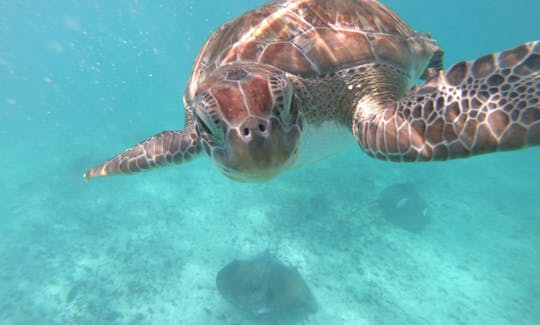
<point x="257" y="176"/>
<point x="249" y="178"/>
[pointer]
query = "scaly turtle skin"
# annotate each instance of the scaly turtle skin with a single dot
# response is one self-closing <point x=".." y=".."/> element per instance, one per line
<point x="295" y="75"/>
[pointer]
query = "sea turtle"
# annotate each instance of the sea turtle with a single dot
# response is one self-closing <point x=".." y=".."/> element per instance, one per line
<point x="305" y="76"/>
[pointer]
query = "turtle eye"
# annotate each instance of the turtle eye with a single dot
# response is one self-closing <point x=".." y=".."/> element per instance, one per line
<point x="211" y="126"/>
<point x="281" y="90"/>
<point x="282" y="110"/>
<point x="204" y="125"/>
<point x="207" y="116"/>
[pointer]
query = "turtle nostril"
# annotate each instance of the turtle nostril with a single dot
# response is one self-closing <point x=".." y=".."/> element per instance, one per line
<point x="253" y="127"/>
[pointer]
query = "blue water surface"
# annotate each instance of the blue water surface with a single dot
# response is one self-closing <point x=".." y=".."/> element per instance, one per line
<point x="82" y="80"/>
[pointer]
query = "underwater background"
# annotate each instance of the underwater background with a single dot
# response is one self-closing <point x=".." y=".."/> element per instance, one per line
<point x="82" y="80"/>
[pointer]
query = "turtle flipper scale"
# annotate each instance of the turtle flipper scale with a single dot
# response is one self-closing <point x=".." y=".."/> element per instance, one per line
<point x="486" y="105"/>
<point x="161" y="149"/>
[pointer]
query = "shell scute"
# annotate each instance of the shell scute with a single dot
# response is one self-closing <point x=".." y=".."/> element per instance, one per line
<point x="312" y="38"/>
<point x="392" y="49"/>
<point x="286" y="56"/>
<point x="329" y="48"/>
<point x="283" y="26"/>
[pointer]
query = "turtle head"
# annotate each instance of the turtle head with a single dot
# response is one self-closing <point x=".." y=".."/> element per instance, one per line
<point x="248" y="122"/>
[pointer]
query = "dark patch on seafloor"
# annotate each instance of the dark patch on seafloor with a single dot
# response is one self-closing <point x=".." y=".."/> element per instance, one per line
<point x="402" y="205"/>
<point x="266" y="288"/>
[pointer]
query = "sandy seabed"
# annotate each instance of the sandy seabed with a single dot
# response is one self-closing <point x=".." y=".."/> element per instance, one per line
<point x="145" y="249"/>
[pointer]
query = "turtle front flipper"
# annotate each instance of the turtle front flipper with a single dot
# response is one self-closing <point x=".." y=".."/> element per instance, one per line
<point x="486" y="105"/>
<point x="162" y="149"/>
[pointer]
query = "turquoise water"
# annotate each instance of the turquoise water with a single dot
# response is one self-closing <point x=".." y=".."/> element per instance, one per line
<point x="82" y="80"/>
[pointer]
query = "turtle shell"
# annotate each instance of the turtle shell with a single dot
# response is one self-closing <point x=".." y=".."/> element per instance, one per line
<point x="311" y="38"/>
